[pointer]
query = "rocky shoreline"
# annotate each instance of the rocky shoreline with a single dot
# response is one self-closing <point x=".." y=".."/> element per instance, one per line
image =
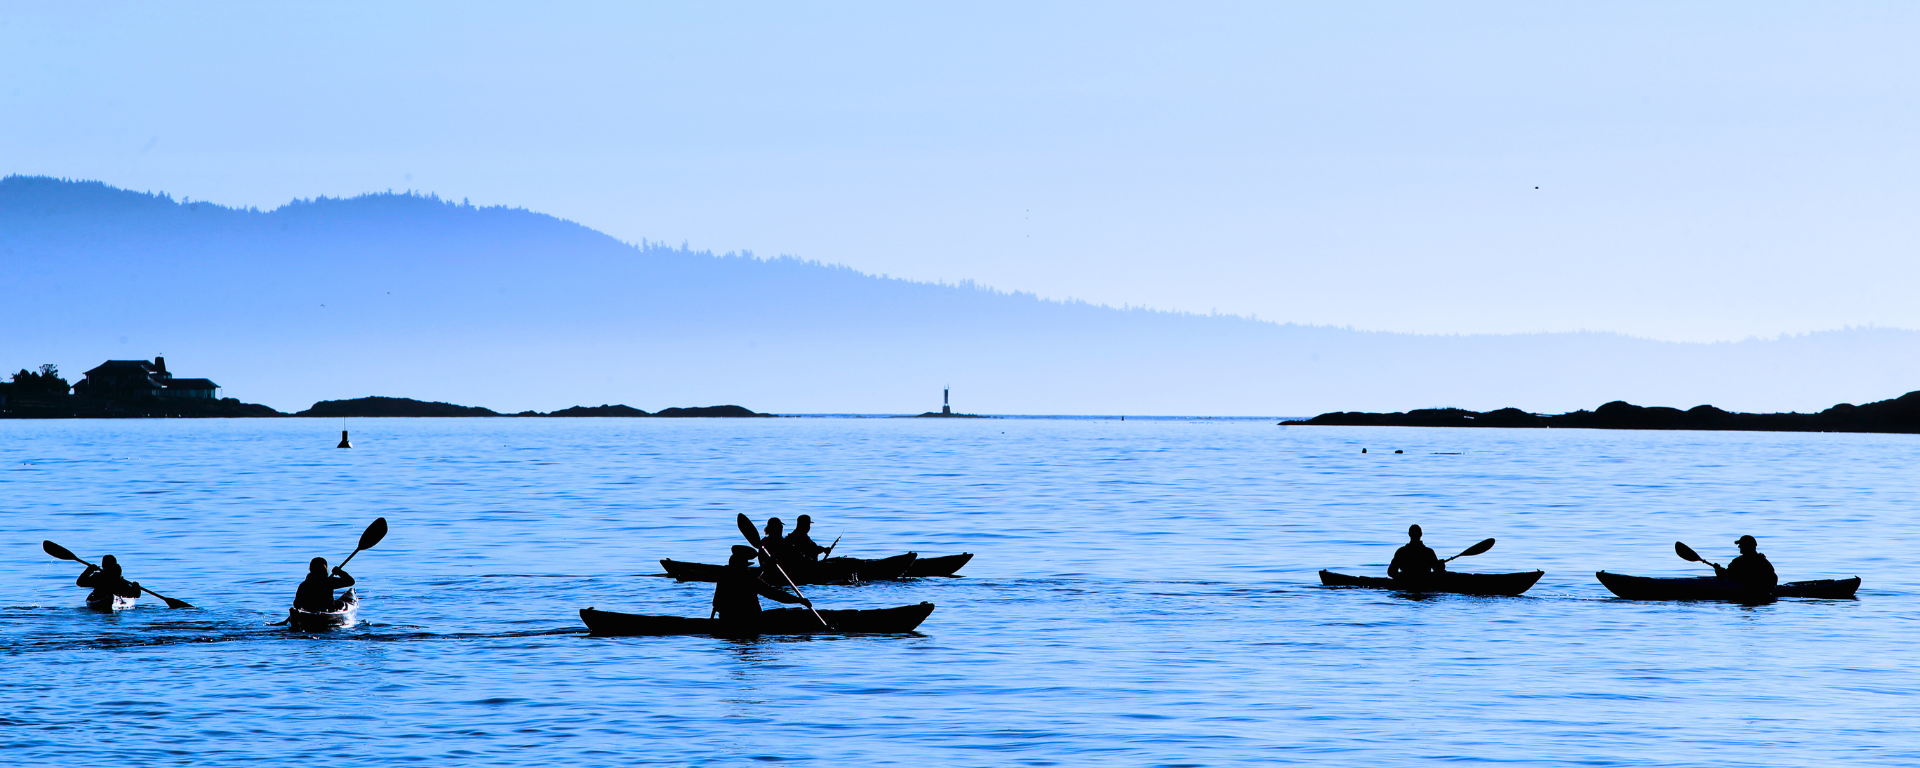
<point x="1898" y="415"/>
<point x="20" y="406"/>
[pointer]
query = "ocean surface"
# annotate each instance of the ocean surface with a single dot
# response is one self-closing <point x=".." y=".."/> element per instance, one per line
<point x="1143" y="593"/>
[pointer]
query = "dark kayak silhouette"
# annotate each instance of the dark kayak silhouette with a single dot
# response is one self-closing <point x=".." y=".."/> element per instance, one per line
<point x="1714" y="588"/>
<point x="345" y="613"/>
<point x="1720" y="587"/>
<point x="833" y="570"/>
<point x="944" y="565"/>
<point x="1449" y="582"/>
<point x="1439" y="579"/>
<point x="783" y="621"/>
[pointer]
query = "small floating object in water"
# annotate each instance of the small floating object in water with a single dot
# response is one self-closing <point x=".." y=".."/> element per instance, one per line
<point x="1363" y="450"/>
<point x="1399" y="451"/>
<point x="343" y="440"/>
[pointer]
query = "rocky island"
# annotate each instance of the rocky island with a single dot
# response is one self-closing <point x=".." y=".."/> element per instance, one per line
<point x="136" y="389"/>
<point x="375" y="407"/>
<point x="946" y="409"/>
<point x="119" y="389"/>
<point x="1898" y="415"/>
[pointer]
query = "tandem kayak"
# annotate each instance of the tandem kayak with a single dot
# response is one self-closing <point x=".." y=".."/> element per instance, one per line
<point x="113" y="603"/>
<point x="833" y="570"/>
<point x="945" y="565"/>
<point x="345" y="615"/>
<point x="784" y="621"/>
<point x="1451" y="582"/>
<point x="1712" y="588"/>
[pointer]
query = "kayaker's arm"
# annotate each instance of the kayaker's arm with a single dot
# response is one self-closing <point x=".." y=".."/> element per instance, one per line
<point x="341" y="580"/>
<point x="86" y="577"/>
<point x="128" y="589"/>
<point x="780" y="595"/>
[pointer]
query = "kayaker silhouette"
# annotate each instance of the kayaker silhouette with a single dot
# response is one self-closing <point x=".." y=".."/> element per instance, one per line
<point x="106" y="582"/>
<point x="1751" y="568"/>
<point x="316" y="593"/>
<point x="1414" y="561"/>
<point x="800" y="548"/>
<point x="775" y="545"/>
<point x="736" y="596"/>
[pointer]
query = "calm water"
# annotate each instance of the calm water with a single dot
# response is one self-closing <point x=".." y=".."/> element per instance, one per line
<point x="1144" y="593"/>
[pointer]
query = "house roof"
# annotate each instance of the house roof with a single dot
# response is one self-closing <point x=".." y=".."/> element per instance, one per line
<point x="119" y="366"/>
<point x="191" y="384"/>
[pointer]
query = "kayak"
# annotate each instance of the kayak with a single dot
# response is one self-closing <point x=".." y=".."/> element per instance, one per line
<point x="345" y="615"/>
<point x="1452" y="582"/>
<point x="1712" y="588"/>
<point x="945" y="565"/>
<point x="111" y="604"/>
<point x="833" y="570"/>
<point x="783" y="621"/>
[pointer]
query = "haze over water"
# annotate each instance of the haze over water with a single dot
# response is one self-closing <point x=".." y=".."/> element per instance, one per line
<point x="1143" y="593"/>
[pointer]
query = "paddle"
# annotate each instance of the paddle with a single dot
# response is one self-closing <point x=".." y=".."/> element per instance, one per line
<point x="66" y="554"/>
<point x="753" y="537"/>
<point x="1477" y="549"/>
<point x="374" y="533"/>
<point x="1686" y="553"/>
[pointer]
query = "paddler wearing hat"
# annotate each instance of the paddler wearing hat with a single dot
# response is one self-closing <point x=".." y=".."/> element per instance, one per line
<point x="736" y="596"/>
<point x="800" y="547"/>
<point x="1751" y="568"/>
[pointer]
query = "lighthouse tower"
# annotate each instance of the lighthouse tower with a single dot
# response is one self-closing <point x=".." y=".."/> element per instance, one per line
<point x="946" y="408"/>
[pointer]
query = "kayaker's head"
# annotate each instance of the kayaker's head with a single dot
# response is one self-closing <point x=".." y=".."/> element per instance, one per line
<point x="110" y="565"/>
<point x="742" y="555"/>
<point x="773" y="527"/>
<point x="1413" y="532"/>
<point x="803" y="524"/>
<point x="1747" y="544"/>
<point x="318" y="567"/>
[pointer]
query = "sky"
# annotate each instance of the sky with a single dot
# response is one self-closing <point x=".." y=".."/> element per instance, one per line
<point x="1689" y="172"/>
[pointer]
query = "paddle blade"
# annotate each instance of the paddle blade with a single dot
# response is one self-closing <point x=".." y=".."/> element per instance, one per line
<point x="172" y="603"/>
<point x="60" y="552"/>
<point x="1477" y="549"/>
<point x="746" y="529"/>
<point x="1686" y="553"/>
<point x="373" y="534"/>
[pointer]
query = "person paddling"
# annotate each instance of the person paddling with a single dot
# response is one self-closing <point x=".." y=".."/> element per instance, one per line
<point x="1415" y="561"/>
<point x="800" y="547"/>
<point x="107" y="583"/>
<point x="1751" y="568"/>
<point x="736" y="596"/>
<point x="773" y="544"/>
<point x="316" y="593"/>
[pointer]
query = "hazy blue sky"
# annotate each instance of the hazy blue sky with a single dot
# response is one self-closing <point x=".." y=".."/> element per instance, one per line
<point x="1704" y="170"/>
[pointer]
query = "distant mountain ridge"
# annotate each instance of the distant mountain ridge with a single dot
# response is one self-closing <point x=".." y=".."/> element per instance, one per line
<point x="520" y="310"/>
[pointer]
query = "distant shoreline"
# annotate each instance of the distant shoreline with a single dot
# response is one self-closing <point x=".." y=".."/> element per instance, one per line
<point x="1900" y="415"/>
<point x="19" y="406"/>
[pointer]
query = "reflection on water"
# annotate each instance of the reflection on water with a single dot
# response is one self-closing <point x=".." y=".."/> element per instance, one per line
<point x="1145" y="592"/>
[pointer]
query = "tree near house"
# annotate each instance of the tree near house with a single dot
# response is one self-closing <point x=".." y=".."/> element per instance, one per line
<point x="46" y="381"/>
